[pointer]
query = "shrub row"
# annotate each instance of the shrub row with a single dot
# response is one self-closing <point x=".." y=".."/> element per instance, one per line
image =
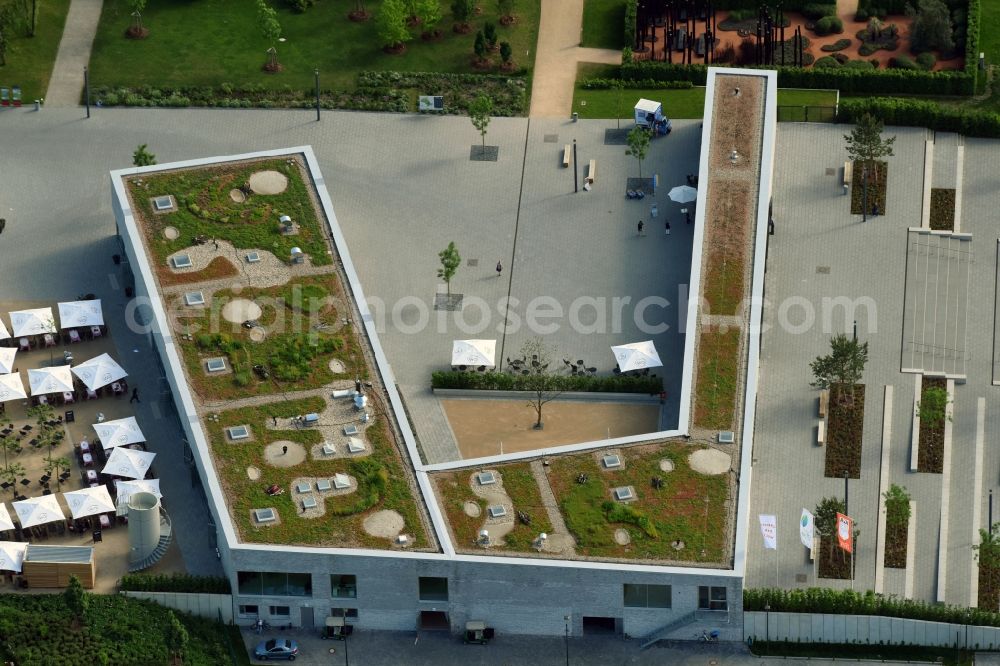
<point x="849" y="602"/>
<point x="920" y="113"/>
<point x="507" y="92"/>
<point x="848" y="81"/>
<point x="973" y="26"/>
<point x="787" y="5"/>
<point x="174" y="583"/>
<point x="608" y="84"/>
<point x="501" y="381"/>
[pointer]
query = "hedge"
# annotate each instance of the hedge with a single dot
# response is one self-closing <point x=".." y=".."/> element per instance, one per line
<point x="920" y="113"/>
<point x="631" y="10"/>
<point x="175" y="583"/>
<point x="501" y="381"/>
<point x="972" y="29"/>
<point x="848" y="81"/>
<point x="608" y="84"/>
<point x="849" y="602"/>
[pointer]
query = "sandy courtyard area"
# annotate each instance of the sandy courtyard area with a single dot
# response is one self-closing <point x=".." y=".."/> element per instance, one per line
<point x="480" y="425"/>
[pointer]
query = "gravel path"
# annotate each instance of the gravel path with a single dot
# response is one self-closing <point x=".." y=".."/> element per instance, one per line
<point x="552" y="506"/>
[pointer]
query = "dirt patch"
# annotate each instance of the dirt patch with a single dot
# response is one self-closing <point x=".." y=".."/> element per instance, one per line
<point x="268" y="182"/>
<point x="878" y="178"/>
<point x="240" y="310"/>
<point x="384" y="524"/>
<point x="942" y="216"/>
<point x="710" y="462"/>
<point x="284" y="453"/>
<point x="736" y="124"/>
<point x="844" y="428"/>
<point x="337" y="366"/>
<point x="481" y="425"/>
<point x="730" y="220"/>
<point x="833" y="562"/>
<point x="895" y="545"/>
<point x="930" y="457"/>
<point x="217" y="269"/>
<point x="666" y="465"/>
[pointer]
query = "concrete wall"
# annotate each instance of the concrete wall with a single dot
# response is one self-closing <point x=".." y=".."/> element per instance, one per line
<point x="873" y="629"/>
<point x="208" y="606"/>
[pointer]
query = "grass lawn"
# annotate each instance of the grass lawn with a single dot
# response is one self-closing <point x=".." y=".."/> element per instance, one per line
<point x="382" y="481"/>
<point x="989" y="31"/>
<point x="215" y="41"/>
<point x="690" y="507"/>
<point x="454" y="491"/>
<point x="603" y="24"/>
<point x="718" y="366"/>
<point x="863" y="652"/>
<point x="30" y="59"/>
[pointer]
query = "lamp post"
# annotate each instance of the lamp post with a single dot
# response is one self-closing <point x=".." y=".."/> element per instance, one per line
<point x="86" y="87"/>
<point x="566" y="639"/>
<point x="767" y="622"/>
<point x="316" y="75"/>
<point x="575" y="183"/>
<point x="347" y="634"/>
<point x="864" y="194"/>
<point x="846" y="511"/>
<point x="991" y="512"/>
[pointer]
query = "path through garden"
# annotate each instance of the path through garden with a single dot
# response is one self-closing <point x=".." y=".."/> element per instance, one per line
<point x="66" y="83"/>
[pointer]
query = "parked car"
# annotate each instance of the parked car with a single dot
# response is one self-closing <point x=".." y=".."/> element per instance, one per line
<point x="277" y="648"/>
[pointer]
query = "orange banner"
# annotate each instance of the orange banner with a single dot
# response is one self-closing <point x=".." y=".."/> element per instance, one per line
<point x="845" y="530"/>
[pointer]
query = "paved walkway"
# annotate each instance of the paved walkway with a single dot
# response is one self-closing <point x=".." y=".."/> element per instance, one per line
<point x="557" y="55"/>
<point x="66" y="83"/>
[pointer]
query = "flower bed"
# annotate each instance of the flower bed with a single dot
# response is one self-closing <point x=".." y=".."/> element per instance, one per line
<point x="897" y="526"/>
<point x="502" y="381"/>
<point x="845" y="425"/>
<point x="931" y="454"/>
<point x="836" y="565"/>
<point x="942" y="209"/>
<point x="877" y="183"/>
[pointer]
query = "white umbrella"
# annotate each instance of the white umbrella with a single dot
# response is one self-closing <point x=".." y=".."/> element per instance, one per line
<point x="119" y="433"/>
<point x="12" y="388"/>
<point x="12" y="555"/>
<point x="124" y="489"/>
<point x="473" y="352"/>
<point x="89" y="501"/>
<point x="32" y="322"/>
<point x="99" y="371"/>
<point x="128" y="463"/>
<point x="80" y="313"/>
<point x="636" y="356"/>
<point x="7" y="359"/>
<point x="38" y="510"/>
<point x="5" y="522"/>
<point x="4" y="333"/>
<point x="56" y="379"/>
<point x="683" y="194"/>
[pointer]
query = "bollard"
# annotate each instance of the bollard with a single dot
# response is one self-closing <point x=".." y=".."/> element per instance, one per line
<point x="38" y="105"/>
<point x="576" y="116"/>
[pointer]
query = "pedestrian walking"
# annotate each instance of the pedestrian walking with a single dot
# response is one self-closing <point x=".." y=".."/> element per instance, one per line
<point x="216" y="242"/>
<point x="3" y="224"/>
<point x="640" y="227"/>
<point x="666" y="227"/>
<point x="284" y="450"/>
<point x="499" y="269"/>
<point x="135" y="396"/>
<point x="274" y="421"/>
<point x="875" y="210"/>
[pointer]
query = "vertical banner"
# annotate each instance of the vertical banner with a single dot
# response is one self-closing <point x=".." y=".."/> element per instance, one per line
<point x="806" y="529"/>
<point x="769" y="530"/>
<point x="845" y="526"/>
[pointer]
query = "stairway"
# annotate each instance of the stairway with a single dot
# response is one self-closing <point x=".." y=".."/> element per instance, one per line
<point x="166" y="534"/>
<point x="664" y="631"/>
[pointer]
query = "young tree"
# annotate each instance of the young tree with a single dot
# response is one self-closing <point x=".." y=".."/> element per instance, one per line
<point x="844" y="365"/>
<point x="137" y="30"/>
<point x="11" y="473"/>
<point x="390" y="22"/>
<point x="865" y="143"/>
<point x="429" y="14"/>
<point x="540" y="380"/>
<point x="932" y="29"/>
<point x="638" y="145"/>
<point x="490" y="33"/>
<point x="461" y="10"/>
<point x="825" y="520"/>
<point x="479" y="112"/>
<point x="479" y="46"/>
<point x="267" y="21"/>
<point x="505" y="53"/>
<point x="933" y="405"/>
<point x="76" y="599"/>
<point x="177" y="638"/>
<point x="450" y="261"/>
<point x="10" y="444"/>
<point x="618" y="85"/>
<point x="142" y="157"/>
<point x="897" y="505"/>
<point x="505" y="8"/>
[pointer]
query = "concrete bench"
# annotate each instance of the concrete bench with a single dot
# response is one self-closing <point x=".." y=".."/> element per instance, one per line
<point x="592" y="172"/>
<point x="567" y="155"/>
<point x="821" y="433"/>
<point x="824" y="402"/>
<point x="848" y="173"/>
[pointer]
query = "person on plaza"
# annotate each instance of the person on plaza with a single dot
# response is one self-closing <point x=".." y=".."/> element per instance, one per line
<point x="135" y="396"/>
<point x="640" y="226"/>
<point x="499" y="269"/>
<point x="666" y="227"/>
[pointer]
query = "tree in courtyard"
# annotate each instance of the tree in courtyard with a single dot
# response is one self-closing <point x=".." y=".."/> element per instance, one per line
<point x="479" y="48"/>
<point x="142" y="157"/>
<point x="638" y="145"/>
<point x="390" y="23"/>
<point x="450" y="261"/>
<point x="844" y="365"/>
<point x="932" y="29"/>
<point x="270" y="29"/>
<point x="933" y="405"/>
<point x="429" y="14"/>
<point x="866" y="144"/>
<point x="825" y="520"/>
<point x="10" y="444"/>
<point x="506" y="52"/>
<point x="490" y="34"/>
<point x="618" y="85"/>
<point x="11" y="473"/>
<point x="76" y="599"/>
<point x="176" y="638"/>
<point x="540" y="380"/>
<point x="479" y="112"/>
<point x="897" y="505"/>
<point x="137" y="30"/>
<point x="461" y="10"/>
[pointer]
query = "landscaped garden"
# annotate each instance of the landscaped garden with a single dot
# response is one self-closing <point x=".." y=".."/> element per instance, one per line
<point x="988" y="559"/>
<point x="718" y="372"/>
<point x="932" y="410"/>
<point x="26" y="59"/>
<point x="381" y="480"/>
<point x="681" y="518"/>
<point x="846" y="422"/>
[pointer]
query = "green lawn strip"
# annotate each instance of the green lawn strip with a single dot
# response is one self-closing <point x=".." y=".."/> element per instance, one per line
<point x="205" y="208"/>
<point x="680" y="104"/>
<point x="762" y="647"/>
<point x="521" y="487"/>
<point x="603" y="22"/>
<point x="989" y="31"/>
<point x="718" y="367"/>
<point x="677" y="512"/>
<point x="40" y="629"/>
<point x="296" y="356"/>
<point x="333" y="529"/>
<point x="30" y="59"/>
<point x="215" y="41"/>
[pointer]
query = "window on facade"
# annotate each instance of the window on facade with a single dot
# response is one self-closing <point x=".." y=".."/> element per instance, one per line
<point x="433" y="588"/>
<point x="279" y="611"/>
<point x="248" y="611"/>
<point x="647" y="596"/>
<point x="343" y="587"/>
<point x="273" y="583"/>
<point x="712" y="598"/>
<point x="349" y="613"/>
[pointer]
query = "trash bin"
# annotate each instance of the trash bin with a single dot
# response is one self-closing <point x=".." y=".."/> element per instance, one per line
<point x="38" y="105"/>
<point x="576" y="116"/>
